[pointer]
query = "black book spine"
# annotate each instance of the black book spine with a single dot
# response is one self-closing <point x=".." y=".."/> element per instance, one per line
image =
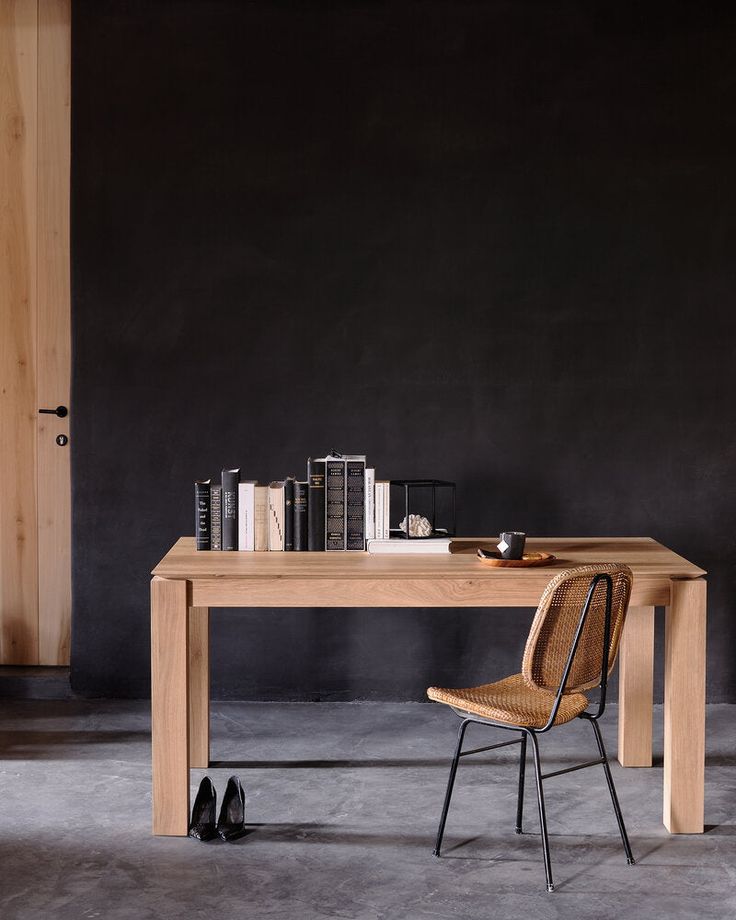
<point x="301" y="516"/>
<point x="289" y="514"/>
<point x="355" y="504"/>
<point x="216" y="512"/>
<point x="230" y="480"/>
<point x="335" y="505"/>
<point x="316" y="521"/>
<point x="202" y="517"/>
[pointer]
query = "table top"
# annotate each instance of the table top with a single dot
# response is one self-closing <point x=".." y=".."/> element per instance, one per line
<point x="645" y="556"/>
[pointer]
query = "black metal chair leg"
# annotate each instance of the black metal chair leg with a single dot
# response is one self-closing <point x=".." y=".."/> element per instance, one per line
<point x="612" y="789"/>
<point x="522" y="769"/>
<point x="542" y="812"/>
<point x="450" y="784"/>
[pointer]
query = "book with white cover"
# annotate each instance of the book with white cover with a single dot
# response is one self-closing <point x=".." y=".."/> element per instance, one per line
<point x="246" y="514"/>
<point x="378" y="535"/>
<point x="399" y="546"/>
<point x="370" y="504"/>
<point x="260" y="540"/>
<point x="387" y="511"/>
<point x="276" y="516"/>
<point x="383" y="496"/>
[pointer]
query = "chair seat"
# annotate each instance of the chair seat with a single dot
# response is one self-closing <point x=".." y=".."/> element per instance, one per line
<point x="513" y="701"/>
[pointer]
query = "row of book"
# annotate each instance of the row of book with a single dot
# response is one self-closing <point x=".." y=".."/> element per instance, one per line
<point x="338" y="507"/>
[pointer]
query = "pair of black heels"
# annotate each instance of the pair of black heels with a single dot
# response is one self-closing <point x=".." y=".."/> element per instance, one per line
<point x="231" y="823"/>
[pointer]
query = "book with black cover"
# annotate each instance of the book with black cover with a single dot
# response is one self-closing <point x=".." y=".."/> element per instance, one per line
<point x="289" y="513"/>
<point x="334" y="503"/>
<point x="301" y="516"/>
<point x="202" y="519"/>
<point x="355" y="504"/>
<point x="230" y="480"/>
<point x="216" y="515"/>
<point x="316" y="518"/>
<point x="370" y="503"/>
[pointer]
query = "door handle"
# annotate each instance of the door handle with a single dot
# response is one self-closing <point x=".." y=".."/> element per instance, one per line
<point x="60" y="411"/>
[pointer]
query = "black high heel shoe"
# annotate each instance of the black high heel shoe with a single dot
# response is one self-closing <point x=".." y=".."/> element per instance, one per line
<point x="231" y="824"/>
<point x="202" y="825"/>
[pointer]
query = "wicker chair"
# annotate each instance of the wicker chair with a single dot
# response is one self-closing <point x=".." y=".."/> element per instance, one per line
<point x="571" y="648"/>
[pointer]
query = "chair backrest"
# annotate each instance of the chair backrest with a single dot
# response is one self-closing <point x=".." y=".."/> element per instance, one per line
<point x="555" y="626"/>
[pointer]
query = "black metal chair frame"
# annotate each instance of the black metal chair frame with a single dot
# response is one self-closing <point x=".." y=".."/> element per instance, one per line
<point x="531" y="735"/>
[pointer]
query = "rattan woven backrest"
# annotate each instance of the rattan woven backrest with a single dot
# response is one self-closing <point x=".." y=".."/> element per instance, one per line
<point x="555" y="624"/>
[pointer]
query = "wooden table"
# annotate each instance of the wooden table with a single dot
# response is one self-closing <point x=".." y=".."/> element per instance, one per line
<point x="186" y="583"/>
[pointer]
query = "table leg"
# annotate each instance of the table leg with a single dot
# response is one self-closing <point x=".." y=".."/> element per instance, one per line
<point x="199" y="687"/>
<point x="636" y="688"/>
<point x="684" y="708"/>
<point x="169" y="726"/>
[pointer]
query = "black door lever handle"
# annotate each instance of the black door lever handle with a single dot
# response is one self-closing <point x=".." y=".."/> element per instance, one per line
<point x="61" y="411"/>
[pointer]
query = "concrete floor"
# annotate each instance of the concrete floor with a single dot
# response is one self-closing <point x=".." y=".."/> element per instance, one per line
<point x="343" y="801"/>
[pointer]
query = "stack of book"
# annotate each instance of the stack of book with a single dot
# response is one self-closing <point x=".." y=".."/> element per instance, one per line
<point x="339" y="507"/>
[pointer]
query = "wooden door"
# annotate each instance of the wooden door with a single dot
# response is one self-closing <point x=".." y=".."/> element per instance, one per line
<point x="35" y="496"/>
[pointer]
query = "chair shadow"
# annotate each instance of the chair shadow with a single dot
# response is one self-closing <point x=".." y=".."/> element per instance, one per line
<point x="344" y="764"/>
<point x="642" y="858"/>
<point x="318" y="833"/>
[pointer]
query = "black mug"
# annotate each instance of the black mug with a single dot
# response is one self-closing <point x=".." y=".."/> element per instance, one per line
<point x="512" y="544"/>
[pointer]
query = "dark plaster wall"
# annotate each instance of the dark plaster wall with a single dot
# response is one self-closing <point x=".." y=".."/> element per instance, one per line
<point x="492" y="242"/>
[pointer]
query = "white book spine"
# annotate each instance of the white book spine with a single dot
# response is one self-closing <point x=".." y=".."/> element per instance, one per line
<point x="241" y="516"/>
<point x="247" y="515"/>
<point x="370" y="504"/>
<point x="386" y="511"/>
<point x="379" y="509"/>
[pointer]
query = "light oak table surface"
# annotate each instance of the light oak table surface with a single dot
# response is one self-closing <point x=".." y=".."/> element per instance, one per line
<point x="186" y="583"/>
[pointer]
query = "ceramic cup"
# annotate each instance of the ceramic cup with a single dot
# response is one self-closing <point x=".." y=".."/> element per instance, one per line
<point x="511" y="545"/>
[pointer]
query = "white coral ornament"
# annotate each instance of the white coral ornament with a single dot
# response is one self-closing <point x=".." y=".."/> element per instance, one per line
<point x="419" y="526"/>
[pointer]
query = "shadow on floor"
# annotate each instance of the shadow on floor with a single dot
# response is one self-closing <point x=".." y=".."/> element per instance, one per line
<point x="56" y="745"/>
<point x="376" y="762"/>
